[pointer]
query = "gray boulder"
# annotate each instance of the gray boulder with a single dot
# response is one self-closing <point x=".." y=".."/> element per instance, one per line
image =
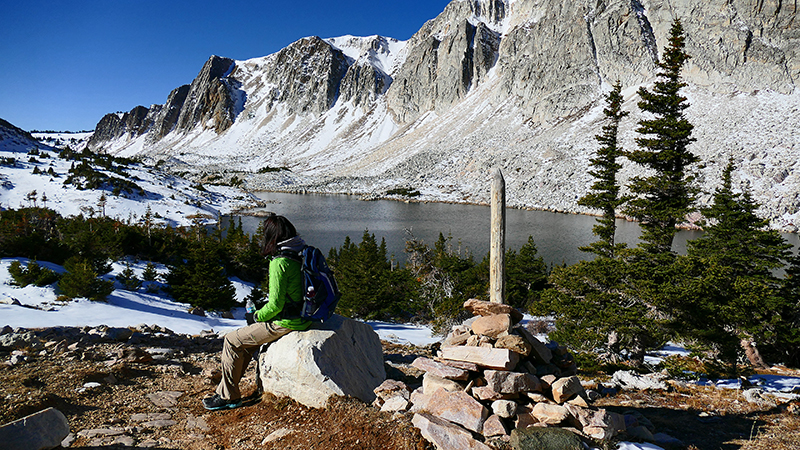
<point x="40" y="431"/>
<point x="340" y="357"/>
<point x="534" y="438"/>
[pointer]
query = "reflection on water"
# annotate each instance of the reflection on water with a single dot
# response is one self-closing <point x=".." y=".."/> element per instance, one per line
<point x="325" y="220"/>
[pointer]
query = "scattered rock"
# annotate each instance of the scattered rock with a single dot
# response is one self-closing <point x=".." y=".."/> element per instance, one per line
<point x="165" y="399"/>
<point x="277" y="434"/>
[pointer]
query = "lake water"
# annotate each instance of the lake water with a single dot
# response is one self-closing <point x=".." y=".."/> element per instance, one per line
<point x="325" y="220"/>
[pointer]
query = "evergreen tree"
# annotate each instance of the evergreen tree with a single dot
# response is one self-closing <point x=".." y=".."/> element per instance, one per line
<point x="665" y="197"/>
<point x="787" y="345"/>
<point x="33" y="273"/>
<point x="594" y="313"/>
<point x="733" y="295"/>
<point x="447" y="278"/>
<point x="605" y="194"/>
<point x="371" y="288"/>
<point x="200" y="279"/>
<point x="526" y="276"/>
<point x="128" y="278"/>
<point x="81" y="280"/>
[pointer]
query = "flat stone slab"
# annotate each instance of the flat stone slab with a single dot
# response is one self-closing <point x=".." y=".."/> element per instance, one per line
<point x="493" y="358"/>
<point x="439" y="369"/>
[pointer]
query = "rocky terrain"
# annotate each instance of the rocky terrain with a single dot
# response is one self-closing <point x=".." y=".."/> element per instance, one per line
<point x="515" y="84"/>
<point x="139" y="387"/>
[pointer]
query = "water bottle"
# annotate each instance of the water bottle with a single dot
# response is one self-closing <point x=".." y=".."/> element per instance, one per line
<point x="249" y="312"/>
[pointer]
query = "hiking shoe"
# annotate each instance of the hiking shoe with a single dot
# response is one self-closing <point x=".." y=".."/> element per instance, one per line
<point x="215" y="402"/>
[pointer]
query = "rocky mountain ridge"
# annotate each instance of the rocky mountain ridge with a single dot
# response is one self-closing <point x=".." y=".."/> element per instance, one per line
<point x="515" y="84"/>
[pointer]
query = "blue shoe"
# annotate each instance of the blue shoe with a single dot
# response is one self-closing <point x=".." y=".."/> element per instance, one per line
<point x="215" y="402"/>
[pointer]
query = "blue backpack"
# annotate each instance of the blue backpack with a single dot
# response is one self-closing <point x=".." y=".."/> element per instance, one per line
<point x="320" y="292"/>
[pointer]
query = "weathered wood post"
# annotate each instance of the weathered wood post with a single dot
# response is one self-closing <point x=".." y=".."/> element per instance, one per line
<point x="497" y="249"/>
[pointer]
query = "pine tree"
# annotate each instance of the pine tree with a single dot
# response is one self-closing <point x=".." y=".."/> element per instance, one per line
<point x="526" y="275"/>
<point x="787" y="345"/>
<point x="200" y="279"/>
<point x="594" y="313"/>
<point x="665" y="197"/>
<point x="733" y="295"/>
<point x="81" y="280"/>
<point x="371" y="288"/>
<point x="605" y="194"/>
<point x="128" y="278"/>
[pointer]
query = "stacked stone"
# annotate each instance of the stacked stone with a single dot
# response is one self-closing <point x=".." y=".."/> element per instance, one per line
<point x="493" y="376"/>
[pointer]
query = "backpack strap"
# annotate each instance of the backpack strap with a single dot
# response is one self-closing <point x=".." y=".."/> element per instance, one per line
<point x="291" y="309"/>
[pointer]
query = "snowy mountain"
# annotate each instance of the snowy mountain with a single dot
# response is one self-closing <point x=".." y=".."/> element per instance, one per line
<point x="516" y="84"/>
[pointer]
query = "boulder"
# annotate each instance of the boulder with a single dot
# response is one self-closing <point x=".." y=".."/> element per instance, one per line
<point x="431" y="383"/>
<point x="504" y="408"/>
<point x="340" y="357"/>
<point x="535" y="438"/>
<point x="539" y="352"/>
<point x="42" y="430"/>
<point x="392" y="388"/>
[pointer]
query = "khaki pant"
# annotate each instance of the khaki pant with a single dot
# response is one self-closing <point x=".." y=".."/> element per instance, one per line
<point x="238" y="349"/>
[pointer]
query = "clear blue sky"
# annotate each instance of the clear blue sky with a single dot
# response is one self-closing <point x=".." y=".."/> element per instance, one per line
<point x="65" y="63"/>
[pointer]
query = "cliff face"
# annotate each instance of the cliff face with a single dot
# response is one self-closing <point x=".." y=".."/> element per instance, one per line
<point x="515" y="84"/>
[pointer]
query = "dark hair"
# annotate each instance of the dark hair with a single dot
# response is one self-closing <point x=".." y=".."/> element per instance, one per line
<point x="276" y="230"/>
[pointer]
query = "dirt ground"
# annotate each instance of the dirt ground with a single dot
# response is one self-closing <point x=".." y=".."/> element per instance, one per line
<point x="117" y="409"/>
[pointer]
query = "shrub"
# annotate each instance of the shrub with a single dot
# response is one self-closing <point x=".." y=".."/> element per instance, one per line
<point x="32" y="274"/>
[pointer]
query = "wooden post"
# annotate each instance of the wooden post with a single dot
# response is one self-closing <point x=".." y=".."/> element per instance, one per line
<point x="497" y="250"/>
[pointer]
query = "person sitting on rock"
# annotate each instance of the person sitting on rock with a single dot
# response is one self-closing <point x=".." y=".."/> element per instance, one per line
<point x="285" y="285"/>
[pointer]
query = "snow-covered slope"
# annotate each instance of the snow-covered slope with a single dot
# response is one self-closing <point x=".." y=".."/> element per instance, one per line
<point x="515" y="84"/>
<point x="33" y="174"/>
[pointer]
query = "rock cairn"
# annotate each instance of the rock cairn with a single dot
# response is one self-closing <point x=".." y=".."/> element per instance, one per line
<point x="491" y="377"/>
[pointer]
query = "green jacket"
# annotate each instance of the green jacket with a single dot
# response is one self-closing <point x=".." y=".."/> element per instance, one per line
<point x="285" y="282"/>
